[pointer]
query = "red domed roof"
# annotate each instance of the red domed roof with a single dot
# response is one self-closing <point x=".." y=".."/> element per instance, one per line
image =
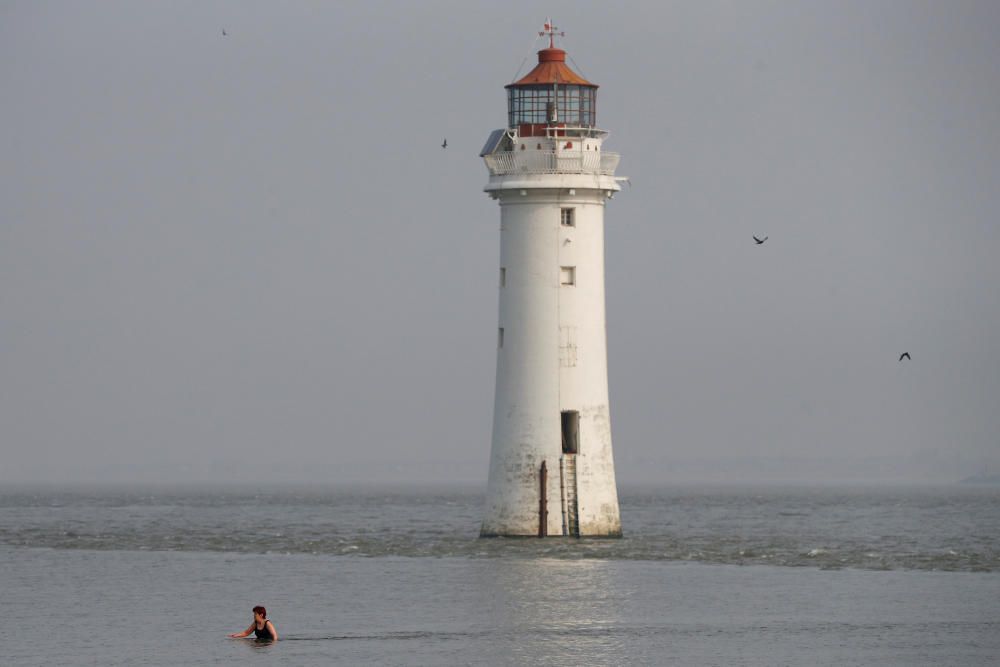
<point x="551" y="68"/>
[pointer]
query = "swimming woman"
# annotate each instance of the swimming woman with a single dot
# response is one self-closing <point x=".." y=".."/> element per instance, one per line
<point x="263" y="628"/>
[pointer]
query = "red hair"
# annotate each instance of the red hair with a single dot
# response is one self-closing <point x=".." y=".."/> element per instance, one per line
<point x="260" y="610"/>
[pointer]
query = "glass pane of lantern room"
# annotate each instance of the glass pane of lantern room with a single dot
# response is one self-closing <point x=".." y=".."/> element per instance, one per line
<point x="544" y="97"/>
<point x="573" y="106"/>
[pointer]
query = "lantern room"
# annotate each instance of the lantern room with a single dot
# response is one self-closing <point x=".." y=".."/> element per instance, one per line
<point x="551" y="95"/>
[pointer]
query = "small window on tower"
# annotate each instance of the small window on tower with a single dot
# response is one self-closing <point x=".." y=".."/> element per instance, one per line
<point x="568" y="217"/>
<point x="567" y="275"/>
<point x="500" y="337"/>
<point x="503" y="277"/>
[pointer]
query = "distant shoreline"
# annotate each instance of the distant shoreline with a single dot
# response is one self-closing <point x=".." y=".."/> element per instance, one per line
<point x="982" y="479"/>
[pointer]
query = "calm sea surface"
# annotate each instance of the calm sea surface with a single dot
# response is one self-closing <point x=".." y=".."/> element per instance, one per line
<point x="718" y="576"/>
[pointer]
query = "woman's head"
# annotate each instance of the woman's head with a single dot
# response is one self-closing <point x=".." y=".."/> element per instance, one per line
<point x="260" y="610"/>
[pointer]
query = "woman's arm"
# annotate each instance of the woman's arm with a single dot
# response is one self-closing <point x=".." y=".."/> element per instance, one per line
<point x="274" y="631"/>
<point x="245" y="633"/>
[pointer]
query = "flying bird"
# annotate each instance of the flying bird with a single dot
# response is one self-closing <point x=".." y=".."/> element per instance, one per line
<point x="445" y="144"/>
<point x="905" y="355"/>
<point x="759" y="241"/>
<point x="224" y="33"/>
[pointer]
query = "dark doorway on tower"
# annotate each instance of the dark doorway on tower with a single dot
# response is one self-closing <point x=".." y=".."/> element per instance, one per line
<point x="570" y="431"/>
<point x="567" y="474"/>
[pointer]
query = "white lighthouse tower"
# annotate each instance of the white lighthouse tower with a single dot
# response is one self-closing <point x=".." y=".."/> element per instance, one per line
<point x="551" y="466"/>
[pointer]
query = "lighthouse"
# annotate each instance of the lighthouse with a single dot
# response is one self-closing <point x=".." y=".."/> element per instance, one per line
<point x="551" y="467"/>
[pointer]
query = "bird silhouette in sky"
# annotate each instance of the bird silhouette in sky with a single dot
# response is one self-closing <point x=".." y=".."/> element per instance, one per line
<point x="224" y="33"/>
<point x="445" y="144"/>
<point x="759" y="241"/>
<point x="905" y="355"/>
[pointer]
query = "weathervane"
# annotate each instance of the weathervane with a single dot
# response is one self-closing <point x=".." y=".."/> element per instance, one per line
<point x="551" y="31"/>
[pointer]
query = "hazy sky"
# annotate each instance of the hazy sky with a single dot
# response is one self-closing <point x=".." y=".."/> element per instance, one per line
<point x="246" y="257"/>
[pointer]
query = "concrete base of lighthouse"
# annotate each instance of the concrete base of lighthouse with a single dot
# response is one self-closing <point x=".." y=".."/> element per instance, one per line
<point x="551" y="465"/>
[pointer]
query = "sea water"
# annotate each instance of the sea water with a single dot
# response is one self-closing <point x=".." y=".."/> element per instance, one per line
<point x="717" y="576"/>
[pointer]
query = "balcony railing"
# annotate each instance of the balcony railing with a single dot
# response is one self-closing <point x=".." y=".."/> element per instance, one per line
<point x="507" y="163"/>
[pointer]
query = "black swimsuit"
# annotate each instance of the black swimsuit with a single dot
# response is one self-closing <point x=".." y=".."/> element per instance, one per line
<point x="262" y="633"/>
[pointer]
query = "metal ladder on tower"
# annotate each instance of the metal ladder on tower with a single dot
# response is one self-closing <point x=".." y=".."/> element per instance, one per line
<point x="571" y="507"/>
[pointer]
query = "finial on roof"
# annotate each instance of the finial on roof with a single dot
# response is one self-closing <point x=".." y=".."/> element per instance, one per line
<point x="551" y="31"/>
